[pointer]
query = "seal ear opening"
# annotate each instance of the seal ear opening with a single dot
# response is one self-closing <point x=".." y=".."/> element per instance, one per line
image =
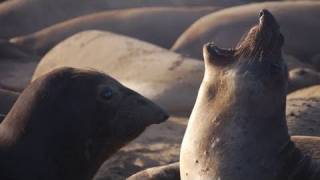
<point x="214" y="55"/>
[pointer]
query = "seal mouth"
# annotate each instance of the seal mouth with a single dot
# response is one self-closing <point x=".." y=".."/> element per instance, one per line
<point x="264" y="39"/>
<point x="212" y="51"/>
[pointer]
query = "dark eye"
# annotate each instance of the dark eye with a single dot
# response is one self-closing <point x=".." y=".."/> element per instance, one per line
<point x="107" y="94"/>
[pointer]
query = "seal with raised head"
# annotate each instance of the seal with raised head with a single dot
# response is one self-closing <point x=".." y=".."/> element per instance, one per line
<point x="237" y="129"/>
<point x="235" y="88"/>
<point x="67" y="122"/>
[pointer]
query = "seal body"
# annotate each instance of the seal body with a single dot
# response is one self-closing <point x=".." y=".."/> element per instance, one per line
<point x="237" y="129"/>
<point x="165" y="24"/>
<point x="24" y="17"/>
<point x="67" y="122"/>
<point x="226" y="27"/>
<point x="169" y="79"/>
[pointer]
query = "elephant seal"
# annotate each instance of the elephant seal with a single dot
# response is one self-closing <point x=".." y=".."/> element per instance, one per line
<point x="7" y="99"/>
<point x="67" y="122"/>
<point x="301" y="78"/>
<point x="167" y="78"/>
<point x="298" y="22"/>
<point x="157" y="25"/>
<point x="24" y="17"/>
<point x="16" y="66"/>
<point x="237" y="129"/>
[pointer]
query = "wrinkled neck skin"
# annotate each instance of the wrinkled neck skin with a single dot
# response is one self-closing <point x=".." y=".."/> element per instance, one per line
<point x="232" y="135"/>
<point x="35" y="145"/>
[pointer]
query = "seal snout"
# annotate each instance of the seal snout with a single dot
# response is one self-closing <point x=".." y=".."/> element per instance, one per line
<point x="267" y="20"/>
<point x="164" y="116"/>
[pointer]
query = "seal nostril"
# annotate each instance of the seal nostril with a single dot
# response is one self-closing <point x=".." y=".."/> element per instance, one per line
<point x="261" y="13"/>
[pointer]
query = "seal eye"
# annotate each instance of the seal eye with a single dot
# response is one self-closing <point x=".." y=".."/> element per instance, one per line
<point x="107" y="94"/>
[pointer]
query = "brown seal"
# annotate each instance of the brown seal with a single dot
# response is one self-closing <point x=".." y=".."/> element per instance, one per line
<point x="24" y="17"/>
<point x="130" y="22"/>
<point x="67" y="122"/>
<point x="237" y="129"/>
<point x="305" y="121"/>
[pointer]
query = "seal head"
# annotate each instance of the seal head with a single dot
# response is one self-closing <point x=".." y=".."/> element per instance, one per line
<point x="67" y="122"/>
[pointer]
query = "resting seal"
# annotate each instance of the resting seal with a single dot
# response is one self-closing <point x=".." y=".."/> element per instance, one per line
<point x="166" y="78"/>
<point x="24" y="17"/>
<point x="130" y="22"/>
<point x="67" y="122"/>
